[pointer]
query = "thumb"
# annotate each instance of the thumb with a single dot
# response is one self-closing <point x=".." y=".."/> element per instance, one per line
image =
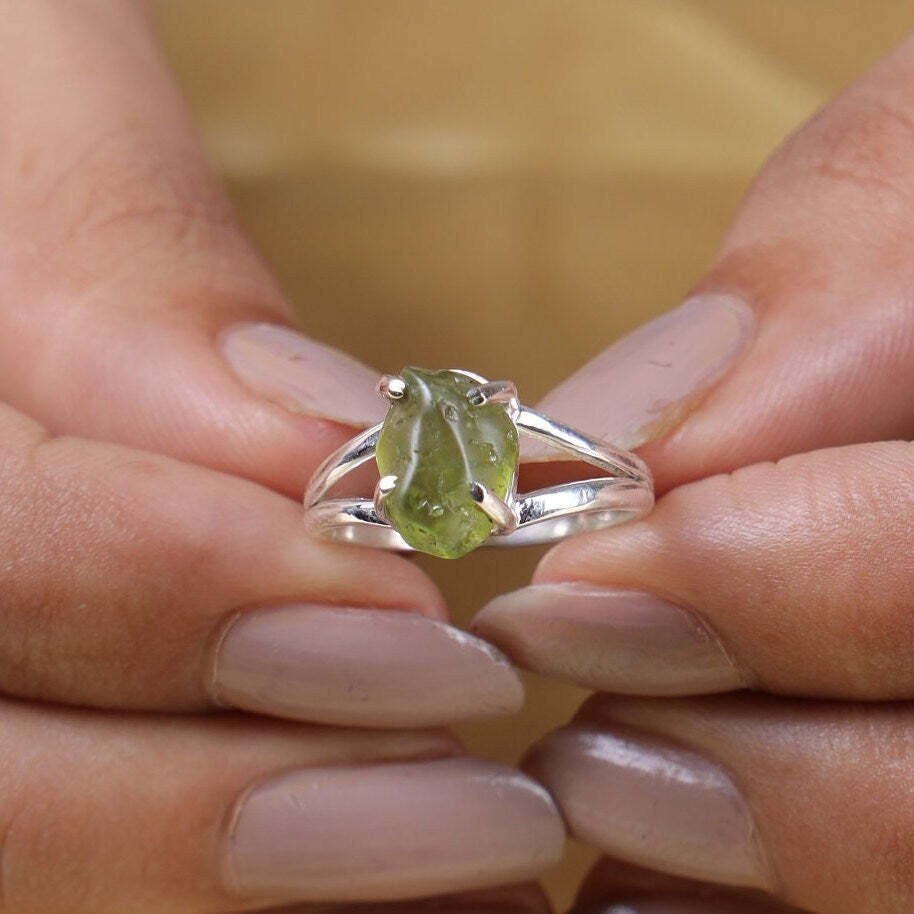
<point x="801" y="336"/>
<point x="135" y="308"/>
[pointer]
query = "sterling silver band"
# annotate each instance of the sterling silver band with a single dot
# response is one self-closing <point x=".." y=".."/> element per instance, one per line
<point x="543" y="516"/>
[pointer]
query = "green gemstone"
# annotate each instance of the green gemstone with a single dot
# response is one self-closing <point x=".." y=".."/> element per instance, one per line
<point x="437" y="445"/>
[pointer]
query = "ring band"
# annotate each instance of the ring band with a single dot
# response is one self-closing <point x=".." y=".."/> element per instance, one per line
<point x="461" y="432"/>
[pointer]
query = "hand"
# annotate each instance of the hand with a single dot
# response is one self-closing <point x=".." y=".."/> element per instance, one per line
<point x="149" y="561"/>
<point x="775" y="406"/>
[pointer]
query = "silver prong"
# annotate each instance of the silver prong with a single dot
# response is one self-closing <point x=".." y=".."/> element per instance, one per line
<point x="492" y="392"/>
<point x="391" y="387"/>
<point x="385" y="486"/>
<point x="496" y="508"/>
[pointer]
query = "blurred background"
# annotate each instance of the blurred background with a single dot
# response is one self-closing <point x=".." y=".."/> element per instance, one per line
<point x="502" y="185"/>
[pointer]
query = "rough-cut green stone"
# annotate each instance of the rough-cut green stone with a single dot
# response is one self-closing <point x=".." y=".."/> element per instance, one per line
<point x="437" y="445"/>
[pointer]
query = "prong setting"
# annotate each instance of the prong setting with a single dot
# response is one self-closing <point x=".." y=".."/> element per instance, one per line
<point x="497" y="510"/>
<point x="386" y="485"/>
<point x="392" y="387"/>
<point x="488" y="474"/>
<point x="493" y="392"/>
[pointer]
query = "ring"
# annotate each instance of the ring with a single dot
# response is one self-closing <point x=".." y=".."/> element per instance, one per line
<point x="448" y="454"/>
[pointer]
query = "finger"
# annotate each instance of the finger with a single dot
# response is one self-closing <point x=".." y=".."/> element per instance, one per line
<point x="790" y="577"/>
<point x="125" y="274"/>
<point x="808" y="801"/>
<point x="801" y="336"/>
<point x="102" y="813"/>
<point x="131" y="580"/>
<point x="613" y="887"/>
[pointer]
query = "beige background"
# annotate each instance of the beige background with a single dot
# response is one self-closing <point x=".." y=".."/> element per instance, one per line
<point x="502" y="185"/>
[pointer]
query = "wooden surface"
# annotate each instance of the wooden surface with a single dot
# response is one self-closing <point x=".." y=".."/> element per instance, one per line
<point x="502" y="185"/>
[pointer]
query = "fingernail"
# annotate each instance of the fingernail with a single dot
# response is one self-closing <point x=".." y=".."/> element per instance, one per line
<point x="651" y="802"/>
<point x="391" y="831"/>
<point x="622" y="641"/>
<point x="360" y="667"/>
<point x="303" y="376"/>
<point x="645" y="384"/>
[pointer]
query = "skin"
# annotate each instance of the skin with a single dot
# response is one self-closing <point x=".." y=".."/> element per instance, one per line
<point x="126" y="443"/>
<point x="786" y="517"/>
<point x="142" y="487"/>
<point x="120" y="239"/>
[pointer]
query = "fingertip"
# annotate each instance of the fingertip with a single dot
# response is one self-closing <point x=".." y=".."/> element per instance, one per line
<point x="359" y="667"/>
<point x="301" y="375"/>
<point x="645" y="384"/>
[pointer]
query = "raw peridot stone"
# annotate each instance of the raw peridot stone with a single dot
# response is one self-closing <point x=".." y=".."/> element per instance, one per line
<point x="437" y="445"/>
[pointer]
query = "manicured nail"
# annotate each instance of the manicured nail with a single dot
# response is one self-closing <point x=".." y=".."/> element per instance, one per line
<point x="645" y="384"/>
<point x="301" y="375"/>
<point x="622" y="641"/>
<point x="360" y="667"/>
<point x="391" y="831"/>
<point x="651" y="802"/>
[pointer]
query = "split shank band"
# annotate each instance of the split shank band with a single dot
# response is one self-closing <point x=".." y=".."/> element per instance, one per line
<point x="624" y="493"/>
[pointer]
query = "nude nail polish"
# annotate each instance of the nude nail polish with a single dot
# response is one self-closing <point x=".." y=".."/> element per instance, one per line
<point x="360" y="667"/>
<point x="302" y="375"/>
<point x="611" y="640"/>
<point x="641" y="387"/>
<point x="391" y="831"/>
<point x="651" y="802"/>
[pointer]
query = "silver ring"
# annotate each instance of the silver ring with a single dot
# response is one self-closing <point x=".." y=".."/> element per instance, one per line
<point x="448" y="460"/>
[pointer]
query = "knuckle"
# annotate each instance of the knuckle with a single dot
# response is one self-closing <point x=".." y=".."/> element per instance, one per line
<point x="866" y="141"/>
<point x="88" y="544"/>
<point x="121" y="191"/>
<point x="852" y="161"/>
